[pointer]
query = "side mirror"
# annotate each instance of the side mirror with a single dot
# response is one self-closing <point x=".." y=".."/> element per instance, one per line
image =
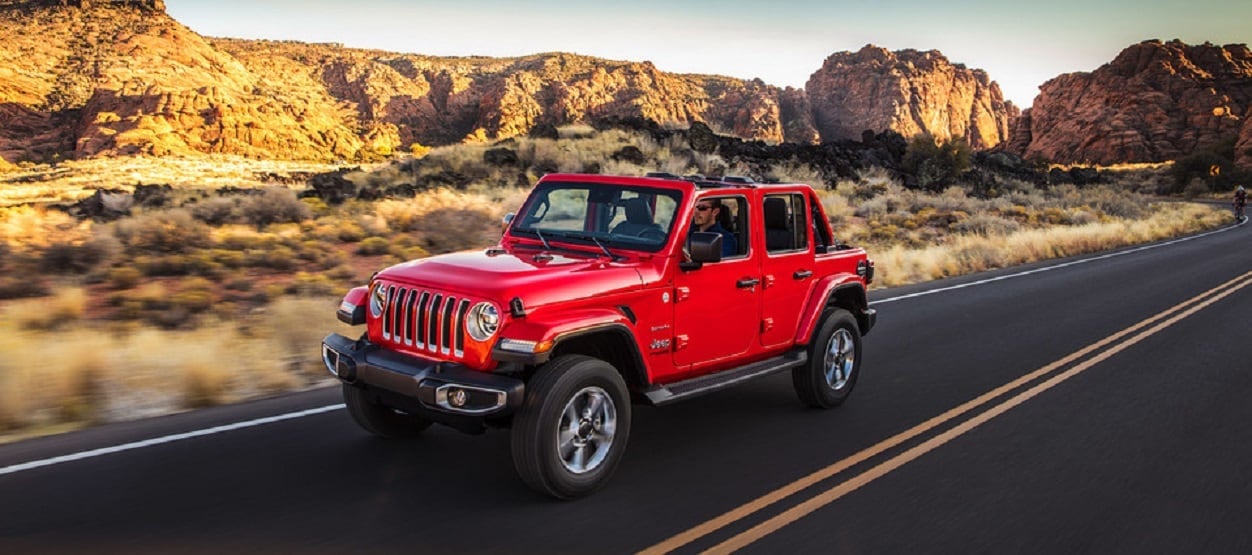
<point x="508" y="219"/>
<point x="702" y="247"/>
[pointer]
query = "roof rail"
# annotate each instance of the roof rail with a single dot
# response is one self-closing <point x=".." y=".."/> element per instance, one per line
<point x="662" y="175"/>
<point x="737" y="179"/>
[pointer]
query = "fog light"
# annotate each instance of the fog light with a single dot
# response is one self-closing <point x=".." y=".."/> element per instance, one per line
<point x="457" y="397"/>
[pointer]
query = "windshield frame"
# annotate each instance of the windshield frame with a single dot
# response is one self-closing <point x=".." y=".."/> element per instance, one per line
<point x="604" y="205"/>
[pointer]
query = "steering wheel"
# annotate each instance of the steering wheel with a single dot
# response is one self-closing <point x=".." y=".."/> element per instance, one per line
<point x="653" y="234"/>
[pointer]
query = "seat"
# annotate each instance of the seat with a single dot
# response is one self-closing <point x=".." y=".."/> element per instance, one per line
<point x="638" y="219"/>
<point x="778" y="233"/>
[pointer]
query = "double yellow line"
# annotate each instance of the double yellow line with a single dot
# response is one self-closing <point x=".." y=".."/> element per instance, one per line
<point x="1104" y="348"/>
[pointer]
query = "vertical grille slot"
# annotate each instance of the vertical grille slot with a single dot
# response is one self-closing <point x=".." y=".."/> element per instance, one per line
<point x="397" y="315"/>
<point x="390" y="313"/>
<point x="409" y="316"/>
<point x="460" y="327"/>
<point x="446" y="324"/>
<point x="432" y="324"/>
<point x="419" y="337"/>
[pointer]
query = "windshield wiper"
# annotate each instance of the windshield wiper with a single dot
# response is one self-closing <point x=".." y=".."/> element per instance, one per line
<point x="593" y="239"/>
<point x="539" y="234"/>
<point x="602" y="247"/>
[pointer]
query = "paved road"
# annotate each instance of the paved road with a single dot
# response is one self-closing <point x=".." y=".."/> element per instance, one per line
<point x="1097" y="406"/>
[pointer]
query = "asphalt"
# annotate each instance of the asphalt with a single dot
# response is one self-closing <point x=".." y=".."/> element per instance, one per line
<point x="1145" y="449"/>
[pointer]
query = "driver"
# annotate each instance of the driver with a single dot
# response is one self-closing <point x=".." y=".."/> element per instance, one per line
<point x="705" y="219"/>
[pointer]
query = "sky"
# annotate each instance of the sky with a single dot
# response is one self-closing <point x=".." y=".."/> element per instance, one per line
<point x="1020" y="46"/>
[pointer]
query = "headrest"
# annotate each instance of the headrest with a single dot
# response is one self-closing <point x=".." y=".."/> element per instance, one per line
<point x="776" y="213"/>
<point x="638" y="211"/>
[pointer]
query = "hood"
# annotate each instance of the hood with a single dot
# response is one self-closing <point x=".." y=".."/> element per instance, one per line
<point x="538" y="278"/>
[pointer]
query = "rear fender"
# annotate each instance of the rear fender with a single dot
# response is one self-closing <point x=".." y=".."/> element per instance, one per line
<point x="843" y="290"/>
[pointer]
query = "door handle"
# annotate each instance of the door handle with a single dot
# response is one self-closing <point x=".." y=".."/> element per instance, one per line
<point x="745" y="283"/>
<point x="802" y="274"/>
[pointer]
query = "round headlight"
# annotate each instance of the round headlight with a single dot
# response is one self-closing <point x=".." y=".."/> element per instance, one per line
<point x="482" y="322"/>
<point x="378" y="300"/>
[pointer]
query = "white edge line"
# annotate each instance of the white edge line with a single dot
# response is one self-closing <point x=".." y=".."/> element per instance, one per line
<point x="1053" y="267"/>
<point x="164" y="439"/>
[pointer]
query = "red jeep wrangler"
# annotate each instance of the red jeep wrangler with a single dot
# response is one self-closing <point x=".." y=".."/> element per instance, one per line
<point x="597" y="296"/>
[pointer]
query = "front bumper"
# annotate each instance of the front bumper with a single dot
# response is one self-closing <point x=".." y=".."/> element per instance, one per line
<point x="441" y="391"/>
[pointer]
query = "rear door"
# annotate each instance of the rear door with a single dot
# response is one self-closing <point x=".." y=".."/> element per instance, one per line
<point x="787" y="267"/>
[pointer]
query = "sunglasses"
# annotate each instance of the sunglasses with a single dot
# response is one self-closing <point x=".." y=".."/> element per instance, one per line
<point x="703" y="207"/>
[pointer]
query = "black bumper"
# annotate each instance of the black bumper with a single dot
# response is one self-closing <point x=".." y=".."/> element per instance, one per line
<point x="866" y="319"/>
<point x="440" y="391"/>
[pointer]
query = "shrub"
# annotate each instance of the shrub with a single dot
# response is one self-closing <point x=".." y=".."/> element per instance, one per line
<point x="124" y="277"/>
<point x="936" y="164"/>
<point x="169" y="231"/>
<point x="350" y="232"/>
<point x="373" y="246"/>
<point x="239" y="284"/>
<point x="166" y="265"/>
<point x="280" y="258"/>
<point x="312" y="285"/>
<point x="14" y="287"/>
<point x="275" y="205"/>
<point x="66" y="306"/>
<point x="986" y="224"/>
<point x="78" y="258"/>
<point x="215" y="211"/>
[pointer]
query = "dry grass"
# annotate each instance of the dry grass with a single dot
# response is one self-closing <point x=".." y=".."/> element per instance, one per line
<point x="72" y="180"/>
<point x="900" y="265"/>
<point x="91" y="374"/>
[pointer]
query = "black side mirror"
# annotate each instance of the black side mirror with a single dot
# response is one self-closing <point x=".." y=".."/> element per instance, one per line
<point x="703" y="247"/>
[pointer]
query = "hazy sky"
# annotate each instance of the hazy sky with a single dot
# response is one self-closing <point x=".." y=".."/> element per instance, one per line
<point x="1019" y="45"/>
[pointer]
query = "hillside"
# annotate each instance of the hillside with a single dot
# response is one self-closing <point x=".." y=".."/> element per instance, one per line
<point x="116" y="78"/>
<point x="100" y="78"/>
<point x="1156" y="101"/>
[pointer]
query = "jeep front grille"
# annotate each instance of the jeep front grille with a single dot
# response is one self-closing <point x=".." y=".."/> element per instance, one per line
<point x="427" y="321"/>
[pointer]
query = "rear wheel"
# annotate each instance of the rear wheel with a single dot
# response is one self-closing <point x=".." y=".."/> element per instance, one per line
<point x="834" y="362"/>
<point x="378" y="419"/>
<point x="570" y="433"/>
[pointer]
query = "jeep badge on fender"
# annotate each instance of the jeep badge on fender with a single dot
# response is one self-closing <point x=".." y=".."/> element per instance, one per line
<point x="606" y="291"/>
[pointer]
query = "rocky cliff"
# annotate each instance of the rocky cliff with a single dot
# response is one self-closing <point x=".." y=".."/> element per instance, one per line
<point x="1156" y="101"/>
<point x="909" y="92"/>
<point x="100" y="78"/>
<point x="1243" y="147"/>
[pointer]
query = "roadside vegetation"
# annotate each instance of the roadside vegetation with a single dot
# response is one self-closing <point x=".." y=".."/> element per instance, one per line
<point x="122" y="298"/>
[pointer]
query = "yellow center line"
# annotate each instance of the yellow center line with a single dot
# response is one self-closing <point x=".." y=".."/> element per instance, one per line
<point x="799" y="511"/>
<point x="805" y="482"/>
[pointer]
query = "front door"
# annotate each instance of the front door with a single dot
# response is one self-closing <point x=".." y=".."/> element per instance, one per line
<point x="716" y="306"/>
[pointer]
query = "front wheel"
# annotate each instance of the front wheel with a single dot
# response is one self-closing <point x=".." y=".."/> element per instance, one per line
<point x="572" y="429"/>
<point x="826" y="380"/>
<point x="378" y="419"/>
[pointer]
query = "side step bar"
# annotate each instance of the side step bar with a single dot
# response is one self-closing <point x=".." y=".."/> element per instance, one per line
<point x="665" y="394"/>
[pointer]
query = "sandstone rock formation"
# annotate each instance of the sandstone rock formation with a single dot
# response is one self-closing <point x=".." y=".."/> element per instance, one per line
<point x="1156" y="101"/>
<point x="909" y="92"/>
<point x="83" y="78"/>
<point x="1243" y="148"/>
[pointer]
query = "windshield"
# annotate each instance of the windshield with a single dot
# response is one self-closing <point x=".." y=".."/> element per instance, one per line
<point x="602" y="216"/>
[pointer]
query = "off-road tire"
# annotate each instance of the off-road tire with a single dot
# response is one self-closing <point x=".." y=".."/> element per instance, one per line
<point x="380" y="420"/>
<point x="837" y="342"/>
<point x="536" y="439"/>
